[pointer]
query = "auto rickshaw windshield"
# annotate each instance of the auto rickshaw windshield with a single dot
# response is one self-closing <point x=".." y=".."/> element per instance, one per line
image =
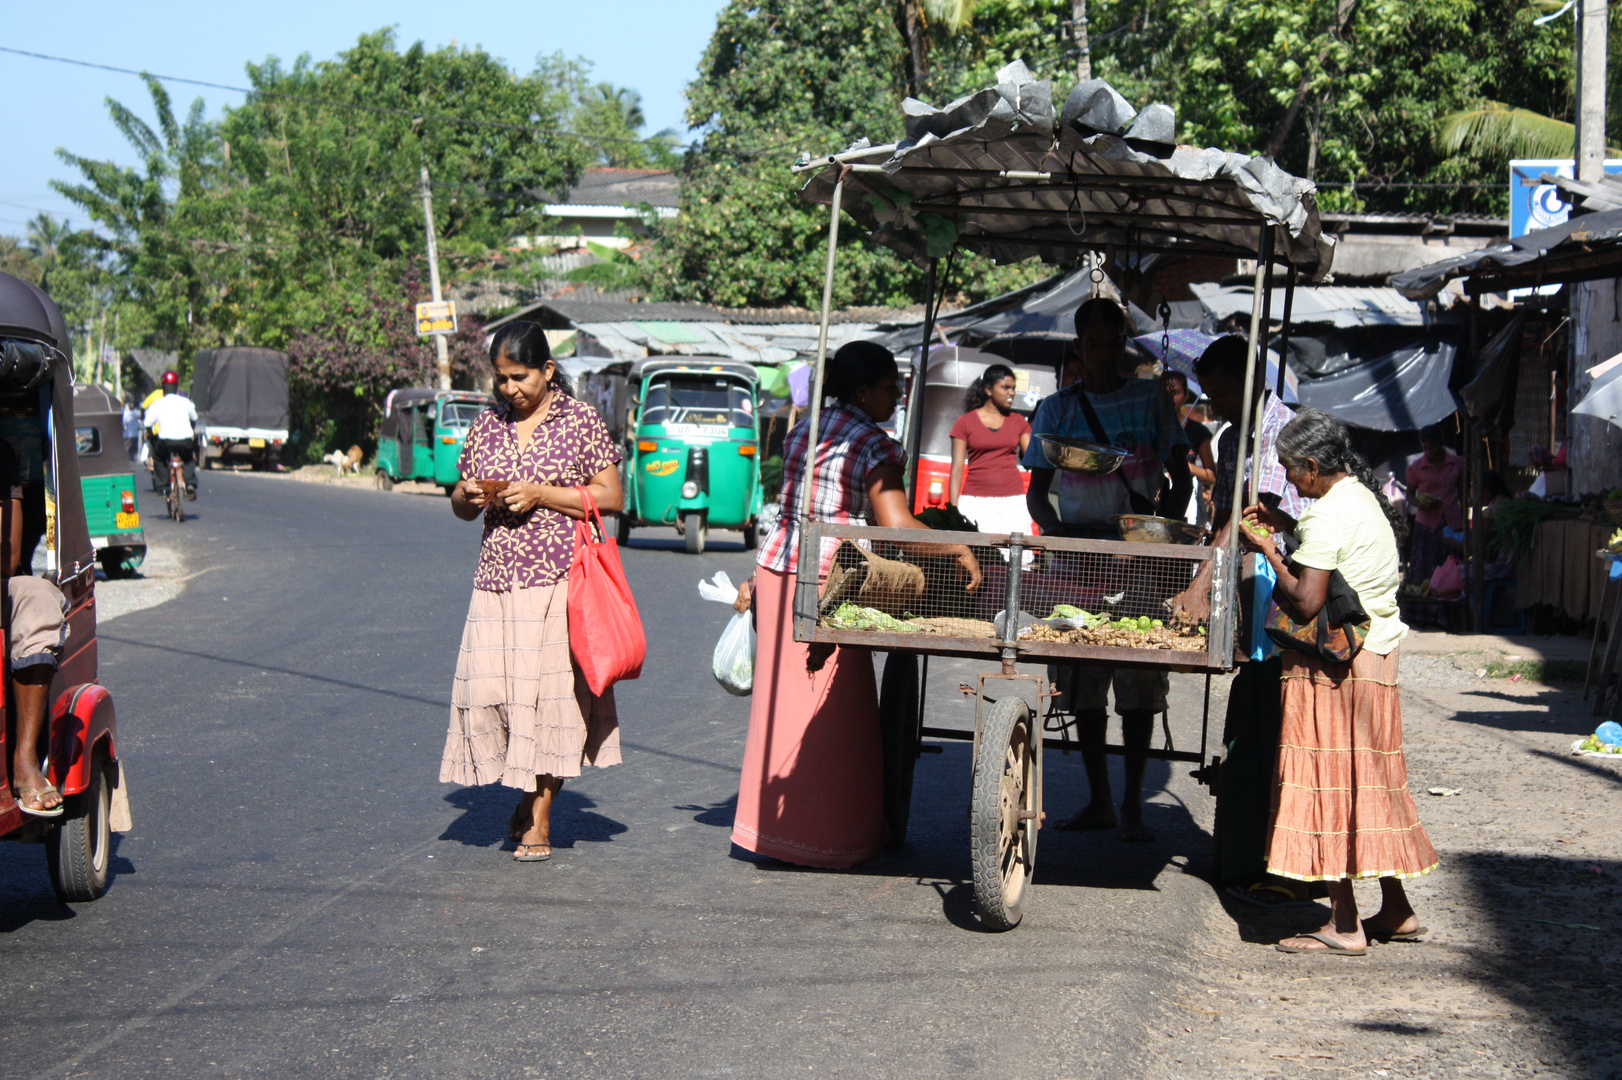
<point x="459" y="415"/>
<point x="699" y="400"/>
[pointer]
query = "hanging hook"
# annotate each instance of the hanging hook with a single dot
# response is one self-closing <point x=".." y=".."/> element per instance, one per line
<point x="1164" y="311"/>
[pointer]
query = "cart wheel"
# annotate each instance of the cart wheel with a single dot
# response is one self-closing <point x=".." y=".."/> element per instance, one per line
<point x="695" y="531"/>
<point x="751" y="536"/>
<point x="1004" y="812"/>
<point x="78" y="850"/>
<point x="384" y="481"/>
<point x="898" y="732"/>
<point x="622" y="528"/>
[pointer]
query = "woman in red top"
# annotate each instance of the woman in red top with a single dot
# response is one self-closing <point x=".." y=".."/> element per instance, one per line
<point x="989" y="440"/>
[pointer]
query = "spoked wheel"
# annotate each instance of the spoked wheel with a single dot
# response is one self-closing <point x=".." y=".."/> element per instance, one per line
<point x="1004" y="812"/>
<point x="898" y="732"/>
<point x="78" y="850"/>
<point x="696" y="531"/>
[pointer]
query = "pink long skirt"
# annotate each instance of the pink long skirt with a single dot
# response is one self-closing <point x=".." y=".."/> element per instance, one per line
<point x="1341" y="807"/>
<point x="812" y="789"/>
<point x="519" y="708"/>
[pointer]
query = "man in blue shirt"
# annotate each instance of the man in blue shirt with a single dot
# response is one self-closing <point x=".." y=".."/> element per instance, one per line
<point x="1134" y="415"/>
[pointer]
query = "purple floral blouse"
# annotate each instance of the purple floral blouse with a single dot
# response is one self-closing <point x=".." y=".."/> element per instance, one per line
<point x="568" y="448"/>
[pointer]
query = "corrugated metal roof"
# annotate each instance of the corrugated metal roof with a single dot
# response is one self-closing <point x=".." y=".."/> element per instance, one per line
<point x="762" y="344"/>
<point x="624" y="187"/>
<point x="610" y="311"/>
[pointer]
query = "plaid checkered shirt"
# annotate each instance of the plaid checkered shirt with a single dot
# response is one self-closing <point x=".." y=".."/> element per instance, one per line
<point x="1271" y="479"/>
<point x="851" y="447"/>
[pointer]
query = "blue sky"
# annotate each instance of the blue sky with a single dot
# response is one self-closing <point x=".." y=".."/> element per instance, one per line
<point x="651" y="47"/>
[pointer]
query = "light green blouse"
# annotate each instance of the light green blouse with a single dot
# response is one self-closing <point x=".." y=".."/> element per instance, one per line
<point x="1347" y="531"/>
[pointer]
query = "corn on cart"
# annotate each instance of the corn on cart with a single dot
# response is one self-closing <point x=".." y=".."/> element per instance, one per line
<point x="1005" y="174"/>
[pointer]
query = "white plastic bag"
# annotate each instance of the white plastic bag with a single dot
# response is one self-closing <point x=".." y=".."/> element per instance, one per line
<point x="733" y="663"/>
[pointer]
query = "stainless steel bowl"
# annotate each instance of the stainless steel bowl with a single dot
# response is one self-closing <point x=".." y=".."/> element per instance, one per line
<point x="1079" y="455"/>
<point x="1144" y="529"/>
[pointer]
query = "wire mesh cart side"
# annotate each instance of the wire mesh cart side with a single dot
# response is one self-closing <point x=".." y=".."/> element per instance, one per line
<point x="1005" y="174"/>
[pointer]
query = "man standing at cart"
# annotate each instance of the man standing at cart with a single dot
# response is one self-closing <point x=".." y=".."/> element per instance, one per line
<point x="1134" y="415"/>
<point x="1251" y="731"/>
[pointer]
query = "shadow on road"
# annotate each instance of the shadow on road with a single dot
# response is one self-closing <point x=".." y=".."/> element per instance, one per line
<point x="718" y="814"/>
<point x="25" y="887"/>
<point x="486" y="810"/>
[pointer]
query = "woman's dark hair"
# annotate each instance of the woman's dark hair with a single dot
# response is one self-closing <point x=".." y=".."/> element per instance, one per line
<point x="855" y="365"/>
<point x="524" y="343"/>
<point x="1177" y="375"/>
<point x="1433" y="433"/>
<point x="1098" y="308"/>
<point x="1492" y="483"/>
<point x="980" y="389"/>
<point x="1314" y="435"/>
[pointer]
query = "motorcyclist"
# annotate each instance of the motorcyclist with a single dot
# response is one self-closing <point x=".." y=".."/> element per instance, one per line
<point x="171" y="423"/>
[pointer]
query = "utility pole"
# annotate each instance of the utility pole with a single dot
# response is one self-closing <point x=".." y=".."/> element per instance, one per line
<point x="1592" y="23"/>
<point x="433" y="279"/>
<point x="1078" y="27"/>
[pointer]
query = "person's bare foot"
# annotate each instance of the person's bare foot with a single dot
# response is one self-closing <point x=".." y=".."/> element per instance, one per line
<point x="1091" y="816"/>
<point x="1383" y="927"/>
<point x="535" y="845"/>
<point x="34" y="791"/>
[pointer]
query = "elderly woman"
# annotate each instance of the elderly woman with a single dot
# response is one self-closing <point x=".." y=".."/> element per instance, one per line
<point x="520" y="713"/>
<point x="1341" y="807"/>
<point x="812" y="789"/>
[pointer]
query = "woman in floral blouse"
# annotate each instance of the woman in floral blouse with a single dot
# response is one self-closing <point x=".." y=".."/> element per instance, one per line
<point x="520" y="713"/>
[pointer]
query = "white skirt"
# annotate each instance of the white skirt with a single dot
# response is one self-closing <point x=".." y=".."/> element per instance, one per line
<point x="998" y="514"/>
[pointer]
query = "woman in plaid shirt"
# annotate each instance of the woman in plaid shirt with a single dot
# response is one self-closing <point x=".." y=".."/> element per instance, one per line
<point x="812" y="787"/>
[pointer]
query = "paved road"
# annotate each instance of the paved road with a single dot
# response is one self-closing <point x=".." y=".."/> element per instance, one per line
<point x="300" y="897"/>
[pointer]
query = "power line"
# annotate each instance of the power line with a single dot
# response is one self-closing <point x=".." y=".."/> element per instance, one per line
<point x="414" y="116"/>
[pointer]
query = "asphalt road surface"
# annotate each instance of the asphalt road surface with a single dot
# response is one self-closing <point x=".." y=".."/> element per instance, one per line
<point x="301" y="897"/>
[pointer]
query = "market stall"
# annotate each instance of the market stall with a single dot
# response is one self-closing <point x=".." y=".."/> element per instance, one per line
<point x="1004" y="173"/>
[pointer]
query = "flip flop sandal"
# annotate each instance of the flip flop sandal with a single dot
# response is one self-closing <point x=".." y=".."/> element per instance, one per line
<point x="1267" y="895"/>
<point x="1384" y="936"/>
<point x="532" y="853"/>
<point x="25" y="794"/>
<point x="1328" y="947"/>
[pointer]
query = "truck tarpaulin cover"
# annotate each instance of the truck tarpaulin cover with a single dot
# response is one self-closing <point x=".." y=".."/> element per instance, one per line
<point x="241" y="387"/>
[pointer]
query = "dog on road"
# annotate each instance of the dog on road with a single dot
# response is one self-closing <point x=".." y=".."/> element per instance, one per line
<point x="345" y="463"/>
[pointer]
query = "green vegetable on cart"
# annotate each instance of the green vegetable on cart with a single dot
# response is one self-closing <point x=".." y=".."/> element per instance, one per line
<point x="849" y="616"/>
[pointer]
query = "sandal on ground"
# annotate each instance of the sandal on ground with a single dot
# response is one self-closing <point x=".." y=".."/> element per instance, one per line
<point x="1267" y="894"/>
<point x="1375" y="932"/>
<point x="27" y="795"/>
<point x="1328" y="946"/>
<point x="532" y="853"/>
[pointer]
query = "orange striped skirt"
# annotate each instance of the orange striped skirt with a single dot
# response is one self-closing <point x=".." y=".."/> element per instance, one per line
<point x="1341" y="807"/>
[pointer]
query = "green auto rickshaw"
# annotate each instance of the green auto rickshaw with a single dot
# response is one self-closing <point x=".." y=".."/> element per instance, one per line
<point x="422" y="435"/>
<point x="108" y="479"/>
<point x="692" y="457"/>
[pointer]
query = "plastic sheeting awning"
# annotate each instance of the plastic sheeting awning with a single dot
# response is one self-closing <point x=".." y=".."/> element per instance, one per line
<point x="1002" y="173"/>
<point x="1403" y="389"/>
<point x="1586" y="248"/>
<point x="1334" y="305"/>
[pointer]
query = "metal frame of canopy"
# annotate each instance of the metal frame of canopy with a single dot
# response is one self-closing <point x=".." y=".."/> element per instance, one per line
<point x="1181" y="223"/>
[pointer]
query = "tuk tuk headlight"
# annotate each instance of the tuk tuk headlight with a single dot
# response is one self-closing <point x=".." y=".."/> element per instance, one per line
<point x="689" y="490"/>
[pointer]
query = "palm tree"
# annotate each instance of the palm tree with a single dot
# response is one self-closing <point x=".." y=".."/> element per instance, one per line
<point x="45" y="236"/>
<point x="913" y="19"/>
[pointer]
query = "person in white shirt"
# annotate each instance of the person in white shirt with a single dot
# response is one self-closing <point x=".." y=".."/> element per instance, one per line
<point x="172" y="420"/>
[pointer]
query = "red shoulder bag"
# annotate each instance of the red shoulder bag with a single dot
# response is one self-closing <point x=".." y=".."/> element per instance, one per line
<point x="605" y="631"/>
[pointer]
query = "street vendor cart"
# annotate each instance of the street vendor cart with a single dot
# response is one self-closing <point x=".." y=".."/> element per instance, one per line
<point x="1003" y="174"/>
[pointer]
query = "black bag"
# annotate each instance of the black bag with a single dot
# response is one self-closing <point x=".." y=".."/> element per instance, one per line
<point x="1334" y="636"/>
<point x="1139" y="502"/>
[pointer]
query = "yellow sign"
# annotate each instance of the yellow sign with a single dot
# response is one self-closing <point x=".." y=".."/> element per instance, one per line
<point x="127" y="521"/>
<point x="436" y="317"/>
<point x="256" y="444"/>
<point x="661" y="468"/>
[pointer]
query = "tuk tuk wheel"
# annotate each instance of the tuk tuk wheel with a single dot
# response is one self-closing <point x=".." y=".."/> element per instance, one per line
<point x="1004" y="812"/>
<point x="622" y="528"/>
<point x="696" y="531"/>
<point x="751" y="536"/>
<point x="899" y="736"/>
<point x="78" y="851"/>
<point x="384" y="481"/>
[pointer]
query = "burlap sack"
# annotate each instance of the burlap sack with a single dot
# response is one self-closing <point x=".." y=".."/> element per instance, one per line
<point x="863" y="578"/>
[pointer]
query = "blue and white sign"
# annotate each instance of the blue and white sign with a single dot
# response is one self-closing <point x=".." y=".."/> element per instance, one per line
<point x="1539" y="206"/>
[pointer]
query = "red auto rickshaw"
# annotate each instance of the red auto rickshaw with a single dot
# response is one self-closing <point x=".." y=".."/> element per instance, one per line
<point x="36" y="419"/>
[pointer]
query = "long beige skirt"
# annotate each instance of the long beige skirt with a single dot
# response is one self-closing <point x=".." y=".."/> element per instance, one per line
<point x="519" y="708"/>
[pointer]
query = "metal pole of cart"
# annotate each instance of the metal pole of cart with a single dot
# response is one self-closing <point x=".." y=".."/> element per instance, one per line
<point x="1263" y="250"/>
<point x="914" y="433"/>
<point x="1284" y="333"/>
<point x="805" y="589"/>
